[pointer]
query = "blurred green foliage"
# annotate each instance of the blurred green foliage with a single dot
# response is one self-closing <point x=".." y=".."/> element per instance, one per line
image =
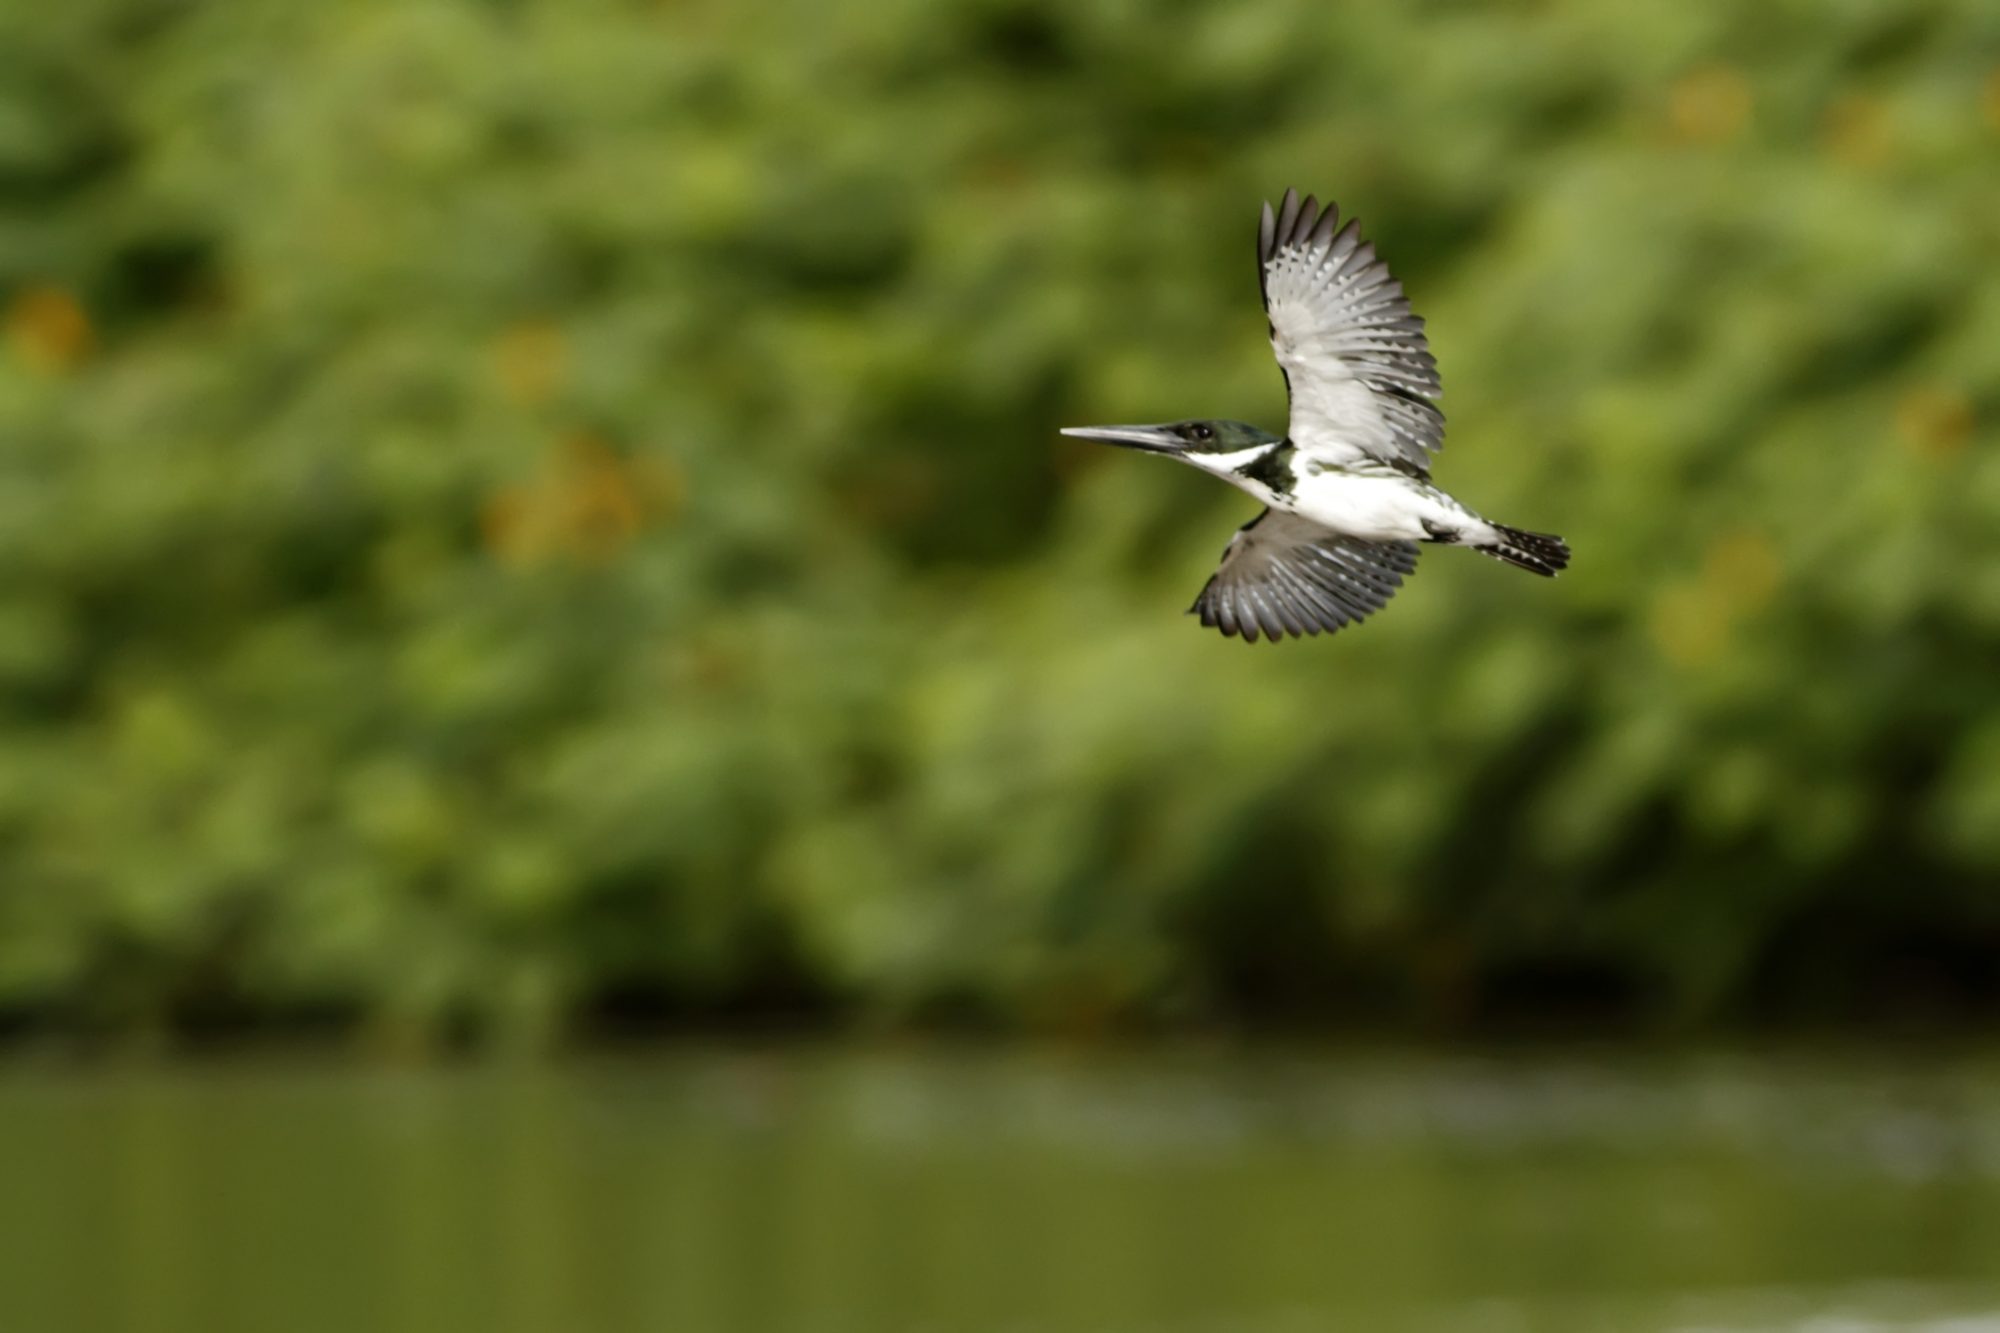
<point x="516" y="511"/>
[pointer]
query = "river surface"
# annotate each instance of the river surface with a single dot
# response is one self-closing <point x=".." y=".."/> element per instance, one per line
<point x="924" y="1190"/>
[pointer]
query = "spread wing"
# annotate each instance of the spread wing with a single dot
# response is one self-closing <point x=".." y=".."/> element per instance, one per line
<point x="1283" y="575"/>
<point x="1361" y="375"/>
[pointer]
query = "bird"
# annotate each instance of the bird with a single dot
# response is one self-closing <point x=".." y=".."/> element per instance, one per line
<point x="1347" y="489"/>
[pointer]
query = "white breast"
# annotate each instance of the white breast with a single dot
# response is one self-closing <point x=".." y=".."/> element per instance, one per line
<point x="1376" y="509"/>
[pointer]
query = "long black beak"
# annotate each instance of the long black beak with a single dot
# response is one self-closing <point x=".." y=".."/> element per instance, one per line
<point x="1152" y="439"/>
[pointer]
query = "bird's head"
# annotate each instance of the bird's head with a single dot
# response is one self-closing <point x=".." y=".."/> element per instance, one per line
<point x="1216" y="446"/>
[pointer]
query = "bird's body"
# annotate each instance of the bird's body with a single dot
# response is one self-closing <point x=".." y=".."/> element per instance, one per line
<point x="1380" y="507"/>
<point x="1347" y="489"/>
<point x="1375" y="503"/>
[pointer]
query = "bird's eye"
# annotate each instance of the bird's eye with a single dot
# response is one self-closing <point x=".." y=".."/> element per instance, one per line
<point x="1202" y="431"/>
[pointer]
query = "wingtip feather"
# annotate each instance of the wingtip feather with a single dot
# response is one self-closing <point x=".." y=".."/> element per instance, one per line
<point x="1322" y="231"/>
<point x="1288" y="214"/>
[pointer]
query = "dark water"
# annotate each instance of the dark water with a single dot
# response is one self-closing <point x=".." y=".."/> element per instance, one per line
<point x="928" y="1192"/>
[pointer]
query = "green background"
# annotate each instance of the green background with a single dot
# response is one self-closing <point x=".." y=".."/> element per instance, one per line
<point x="526" y="518"/>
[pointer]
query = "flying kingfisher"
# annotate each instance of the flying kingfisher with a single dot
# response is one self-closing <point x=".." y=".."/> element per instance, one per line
<point x="1348" y="490"/>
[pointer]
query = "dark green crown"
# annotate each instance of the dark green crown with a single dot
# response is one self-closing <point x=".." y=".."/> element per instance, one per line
<point x="1219" y="437"/>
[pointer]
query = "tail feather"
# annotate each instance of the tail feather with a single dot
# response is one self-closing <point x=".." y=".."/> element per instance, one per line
<point x="1538" y="552"/>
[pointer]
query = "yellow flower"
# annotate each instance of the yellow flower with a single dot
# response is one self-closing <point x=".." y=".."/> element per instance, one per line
<point x="1694" y="620"/>
<point x="49" y="330"/>
<point x="1709" y="105"/>
<point x="587" y="503"/>
<point x="532" y="361"/>
<point x="1934" y="423"/>
<point x="1859" y="132"/>
<point x="600" y="505"/>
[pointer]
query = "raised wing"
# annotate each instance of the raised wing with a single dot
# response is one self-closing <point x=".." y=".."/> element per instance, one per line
<point x="1361" y="375"/>
<point x="1283" y="575"/>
